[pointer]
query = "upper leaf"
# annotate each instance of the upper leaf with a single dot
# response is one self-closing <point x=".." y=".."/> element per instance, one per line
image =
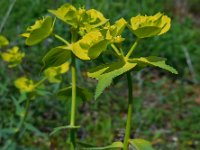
<point x="67" y="13"/>
<point x="153" y="61"/>
<point x="147" y="26"/>
<point x="90" y="46"/>
<point x="13" y="56"/>
<point x="56" y="56"/>
<point x="141" y="144"/>
<point x="81" y="19"/>
<point x="3" y="41"/>
<point x="53" y="74"/>
<point x="39" y="31"/>
<point x="106" y="73"/>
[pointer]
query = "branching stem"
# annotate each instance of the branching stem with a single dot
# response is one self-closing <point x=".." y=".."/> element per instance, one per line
<point x="130" y="110"/>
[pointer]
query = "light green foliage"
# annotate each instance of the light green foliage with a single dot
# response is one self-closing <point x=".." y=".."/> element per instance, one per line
<point x="3" y="41"/>
<point x="90" y="46"/>
<point x="84" y="20"/>
<point x="25" y="85"/>
<point x="39" y="31"/>
<point x="113" y="32"/>
<point x="147" y="26"/>
<point x="13" y="56"/>
<point x="141" y="144"/>
<point x="153" y="61"/>
<point x="67" y="13"/>
<point x="106" y="73"/>
<point x="82" y="93"/>
<point x="53" y="74"/>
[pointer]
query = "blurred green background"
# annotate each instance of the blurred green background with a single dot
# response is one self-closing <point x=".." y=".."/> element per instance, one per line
<point x="166" y="108"/>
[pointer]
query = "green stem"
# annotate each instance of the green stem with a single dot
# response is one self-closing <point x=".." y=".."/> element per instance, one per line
<point x="73" y="105"/>
<point x="130" y="109"/>
<point x="61" y="39"/>
<point x="40" y="82"/>
<point x="132" y="48"/>
<point x="115" y="49"/>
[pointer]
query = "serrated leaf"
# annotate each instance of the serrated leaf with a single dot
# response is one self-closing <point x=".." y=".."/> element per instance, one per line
<point x="57" y="129"/>
<point x="106" y="73"/>
<point x="83" y="93"/>
<point x="113" y="146"/>
<point x="90" y="46"/>
<point x="39" y="31"/>
<point x="153" y="61"/>
<point x="56" y="57"/>
<point x="3" y="41"/>
<point x="141" y="144"/>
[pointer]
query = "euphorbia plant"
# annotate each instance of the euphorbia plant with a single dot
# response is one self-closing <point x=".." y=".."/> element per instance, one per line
<point x="91" y="33"/>
<point x="87" y="43"/>
<point x="142" y="27"/>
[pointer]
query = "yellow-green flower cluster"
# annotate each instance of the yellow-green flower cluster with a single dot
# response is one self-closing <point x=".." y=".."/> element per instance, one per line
<point x="13" y="56"/>
<point x="148" y="26"/>
<point x="25" y="85"/>
<point x="53" y="74"/>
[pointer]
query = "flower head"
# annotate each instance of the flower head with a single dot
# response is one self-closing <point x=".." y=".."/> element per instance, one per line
<point x="148" y="26"/>
<point x="53" y="73"/>
<point x="25" y="85"/>
<point x="13" y="56"/>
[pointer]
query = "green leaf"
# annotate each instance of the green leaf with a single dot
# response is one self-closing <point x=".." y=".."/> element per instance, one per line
<point x="83" y="93"/>
<point x="67" y="13"/>
<point x="57" y="129"/>
<point x="113" y="146"/>
<point x="39" y="31"/>
<point x="3" y="41"/>
<point x="147" y="26"/>
<point x="154" y="61"/>
<point x="107" y="72"/>
<point x="56" y="57"/>
<point x="141" y="144"/>
<point x="90" y="46"/>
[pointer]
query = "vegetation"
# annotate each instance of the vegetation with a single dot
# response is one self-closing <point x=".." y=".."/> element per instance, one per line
<point x="164" y="105"/>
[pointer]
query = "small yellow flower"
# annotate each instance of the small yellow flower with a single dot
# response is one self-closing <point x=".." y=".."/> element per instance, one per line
<point x="53" y="73"/>
<point x="3" y="41"/>
<point x="148" y="26"/>
<point x="13" y="56"/>
<point x="24" y="85"/>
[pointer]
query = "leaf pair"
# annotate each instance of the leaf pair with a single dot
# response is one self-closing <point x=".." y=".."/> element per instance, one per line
<point x="107" y="72"/>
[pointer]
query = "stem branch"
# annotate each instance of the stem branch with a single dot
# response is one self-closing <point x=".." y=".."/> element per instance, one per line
<point x="132" y="48"/>
<point x="61" y="39"/>
<point x="130" y="110"/>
